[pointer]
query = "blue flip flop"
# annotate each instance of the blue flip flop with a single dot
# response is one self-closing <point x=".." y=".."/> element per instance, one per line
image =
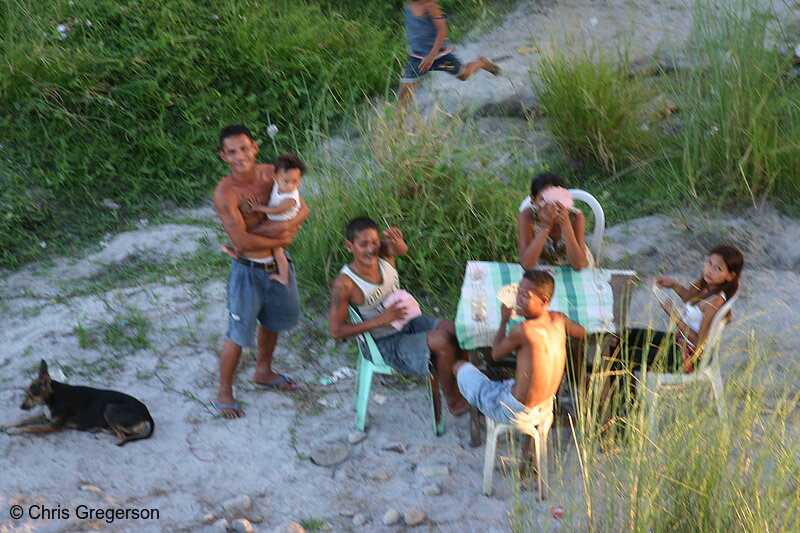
<point x="275" y="385"/>
<point x="234" y="407"/>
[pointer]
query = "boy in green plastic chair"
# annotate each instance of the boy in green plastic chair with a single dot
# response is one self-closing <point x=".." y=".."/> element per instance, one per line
<point x="424" y="344"/>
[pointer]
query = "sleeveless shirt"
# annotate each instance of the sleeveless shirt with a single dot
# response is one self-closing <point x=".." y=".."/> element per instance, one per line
<point x="421" y="34"/>
<point x="693" y="315"/>
<point x="374" y="295"/>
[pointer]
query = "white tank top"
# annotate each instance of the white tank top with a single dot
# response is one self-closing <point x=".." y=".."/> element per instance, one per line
<point x="374" y="295"/>
<point x="277" y="197"/>
<point x="693" y="315"/>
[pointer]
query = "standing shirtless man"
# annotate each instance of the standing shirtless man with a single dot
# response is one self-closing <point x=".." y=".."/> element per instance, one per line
<point x="252" y="296"/>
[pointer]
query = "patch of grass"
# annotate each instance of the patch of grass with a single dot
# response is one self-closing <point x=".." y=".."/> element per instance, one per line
<point x="422" y="183"/>
<point x="739" y="107"/>
<point x="595" y="110"/>
<point x="86" y="340"/>
<point x="90" y="369"/>
<point x="311" y="523"/>
<point x="128" y="330"/>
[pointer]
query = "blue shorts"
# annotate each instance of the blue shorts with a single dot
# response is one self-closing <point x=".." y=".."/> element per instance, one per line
<point x="407" y="350"/>
<point x="252" y="297"/>
<point x="447" y="63"/>
<point x="492" y="398"/>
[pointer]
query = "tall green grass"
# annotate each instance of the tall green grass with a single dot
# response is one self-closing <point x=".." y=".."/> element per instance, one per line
<point x="735" y="137"/>
<point x="126" y="103"/>
<point x="595" y="110"/>
<point x="739" y="107"/>
<point x="415" y="173"/>
<point x="693" y="472"/>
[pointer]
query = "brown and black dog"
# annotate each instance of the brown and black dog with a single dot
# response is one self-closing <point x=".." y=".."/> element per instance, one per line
<point x="82" y="408"/>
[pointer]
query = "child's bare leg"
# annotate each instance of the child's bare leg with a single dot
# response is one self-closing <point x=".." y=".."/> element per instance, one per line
<point x="482" y="63"/>
<point x="406" y="92"/>
<point x="527" y="464"/>
<point x="282" y="275"/>
<point x="229" y="250"/>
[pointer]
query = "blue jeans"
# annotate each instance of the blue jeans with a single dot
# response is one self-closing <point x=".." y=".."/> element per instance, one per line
<point x="252" y="297"/>
<point x="447" y="63"/>
<point x="492" y="398"/>
<point x="407" y="350"/>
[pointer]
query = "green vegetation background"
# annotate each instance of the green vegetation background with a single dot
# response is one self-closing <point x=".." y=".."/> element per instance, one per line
<point x="125" y="103"/>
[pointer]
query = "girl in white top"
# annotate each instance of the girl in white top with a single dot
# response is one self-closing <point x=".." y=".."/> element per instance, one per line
<point x="719" y="281"/>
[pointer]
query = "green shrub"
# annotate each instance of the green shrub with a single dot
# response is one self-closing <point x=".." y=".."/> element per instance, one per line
<point x="595" y="110"/>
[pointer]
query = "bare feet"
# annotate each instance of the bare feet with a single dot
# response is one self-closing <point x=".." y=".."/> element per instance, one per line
<point x="229" y="250"/>
<point x="277" y="382"/>
<point x="283" y="279"/>
<point x="459" y="408"/>
<point x="488" y="66"/>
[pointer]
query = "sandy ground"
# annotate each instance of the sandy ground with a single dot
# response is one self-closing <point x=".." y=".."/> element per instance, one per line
<point x="195" y="461"/>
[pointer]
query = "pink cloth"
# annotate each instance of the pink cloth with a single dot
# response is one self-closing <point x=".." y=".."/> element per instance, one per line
<point x="558" y="195"/>
<point x="407" y="303"/>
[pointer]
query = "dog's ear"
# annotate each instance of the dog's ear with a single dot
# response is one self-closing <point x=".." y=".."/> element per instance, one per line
<point x="43" y="369"/>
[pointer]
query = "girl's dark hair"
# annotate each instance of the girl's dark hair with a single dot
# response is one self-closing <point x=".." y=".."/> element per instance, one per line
<point x="545" y="179"/>
<point x="734" y="260"/>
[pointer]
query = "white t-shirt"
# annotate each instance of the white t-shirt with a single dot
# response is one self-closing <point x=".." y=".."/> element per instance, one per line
<point x="276" y="198"/>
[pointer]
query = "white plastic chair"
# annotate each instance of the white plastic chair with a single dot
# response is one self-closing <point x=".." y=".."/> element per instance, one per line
<point x="537" y="426"/>
<point x="708" y="369"/>
<point x="599" y="229"/>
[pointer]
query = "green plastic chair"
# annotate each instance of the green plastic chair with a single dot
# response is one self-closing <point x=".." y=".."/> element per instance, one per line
<point x="371" y="362"/>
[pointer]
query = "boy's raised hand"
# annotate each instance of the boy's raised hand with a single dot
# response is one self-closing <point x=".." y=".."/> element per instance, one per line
<point x="505" y="314"/>
<point x="393" y="234"/>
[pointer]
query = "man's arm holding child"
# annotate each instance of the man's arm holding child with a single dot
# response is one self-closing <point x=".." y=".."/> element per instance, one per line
<point x="243" y="239"/>
<point x="505" y="344"/>
<point x="340" y="301"/>
<point x="269" y="228"/>
<point x="283" y="207"/>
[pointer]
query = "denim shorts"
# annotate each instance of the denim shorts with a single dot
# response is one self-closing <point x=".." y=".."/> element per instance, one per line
<point x="407" y="350"/>
<point x="447" y="63"/>
<point x="252" y="297"/>
<point x="492" y="398"/>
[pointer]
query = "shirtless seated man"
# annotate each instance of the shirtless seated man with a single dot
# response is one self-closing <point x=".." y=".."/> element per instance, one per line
<point x="540" y="342"/>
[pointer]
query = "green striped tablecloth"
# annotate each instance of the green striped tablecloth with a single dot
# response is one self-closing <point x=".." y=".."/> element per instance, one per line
<point x="585" y="296"/>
